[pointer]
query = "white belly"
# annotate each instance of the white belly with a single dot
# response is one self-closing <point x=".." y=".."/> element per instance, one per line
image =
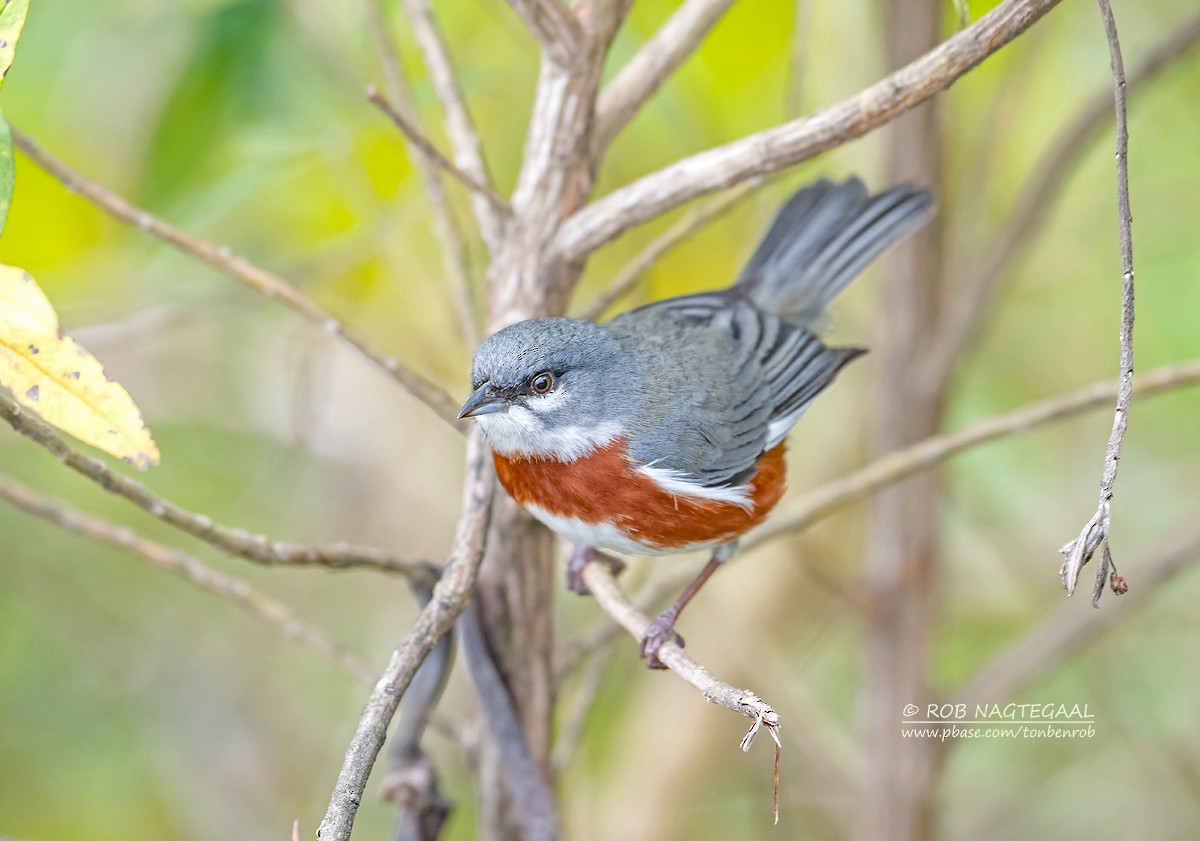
<point x="603" y="535"/>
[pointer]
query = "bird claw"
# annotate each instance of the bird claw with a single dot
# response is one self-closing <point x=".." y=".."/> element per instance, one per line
<point x="580" y="558"/>
<point x="661" y="631"/>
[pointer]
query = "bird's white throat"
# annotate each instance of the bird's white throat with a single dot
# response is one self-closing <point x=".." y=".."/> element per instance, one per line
<point x="519" y="432"/>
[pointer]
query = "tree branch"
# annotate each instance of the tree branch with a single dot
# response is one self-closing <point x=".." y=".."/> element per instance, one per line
<point x="450" y="596"/>
<point x="1095" y="533"/>
<point x="190" y="569"/>
<point x="601" y="634"/>
<point x="446" y="227"/>
<point x="599" y="579"/>
<point x="426" y="148"/>
<point x="552" y="24"/>
<point x="464" y="138"/>
<point x="411" y="782"/>
<point x="653" y="64"/>
<point x="789" y="144"/>
<point x="627" y="279"/>
<point x="1069" y="630"/>
<point x="533" y="801"/>
<point x="971" y="301"/>
<point x="253" y="547"/>
<point x="222" y="258"/>
<point x="932" y="451"/>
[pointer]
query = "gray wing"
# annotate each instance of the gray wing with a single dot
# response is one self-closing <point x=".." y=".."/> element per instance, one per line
<point x="727" y="380"/>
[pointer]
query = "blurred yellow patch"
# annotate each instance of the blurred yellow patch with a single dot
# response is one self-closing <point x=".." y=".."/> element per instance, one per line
<point x="62" y="382"/>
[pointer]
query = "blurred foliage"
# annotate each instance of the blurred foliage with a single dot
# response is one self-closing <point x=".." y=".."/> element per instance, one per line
<point x="134" y="706"/>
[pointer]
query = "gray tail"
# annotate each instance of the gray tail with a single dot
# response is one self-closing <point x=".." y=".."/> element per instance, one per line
<point x="822" y="238"/>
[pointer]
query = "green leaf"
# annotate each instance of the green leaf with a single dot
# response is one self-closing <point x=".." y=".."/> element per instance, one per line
<point x="12" y="20"/>
<point x="6" y="171"/>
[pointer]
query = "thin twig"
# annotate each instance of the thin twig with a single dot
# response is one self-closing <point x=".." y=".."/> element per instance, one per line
<point x="787" y="145"/>
<point x="627" y="279"/>
<point x="450" y="596"/>
<point x="464" y="138"/>
<point x="1067" y="629"/>
<point x="426" y="147"/>
<point x="1096" y="532"/>
<point x="446" y="227"/>
<point x="603" y="633"/>
<point x="598" y="637"/>
<point x="932" y="451"/>
<point x="974" y="294"/>
<point x="608" y="594"/>
<point x="411" y="782"/>
<point x="253" y="547"/>
<point x="222" y="258"/>
<point x="191" y="569"/>
<point x="652" y="65"/>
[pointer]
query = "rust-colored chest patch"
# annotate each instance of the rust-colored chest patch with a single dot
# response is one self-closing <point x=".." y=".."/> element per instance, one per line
<point x="606" y="487"/>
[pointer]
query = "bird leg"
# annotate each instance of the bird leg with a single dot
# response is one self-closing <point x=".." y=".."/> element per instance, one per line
<point x="581" y="557"/>
<point x="662" y="629"/>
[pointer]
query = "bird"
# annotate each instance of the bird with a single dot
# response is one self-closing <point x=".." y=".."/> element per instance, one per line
<point x="663" y="430"/>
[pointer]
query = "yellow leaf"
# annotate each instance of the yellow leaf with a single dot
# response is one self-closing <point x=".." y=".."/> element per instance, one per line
<point x="23" y="303"/>
<point x="60" y="380"/>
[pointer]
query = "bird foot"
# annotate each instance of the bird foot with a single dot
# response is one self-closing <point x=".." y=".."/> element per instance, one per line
<point x="661" y="630"/>
<point x="581" y="557"/>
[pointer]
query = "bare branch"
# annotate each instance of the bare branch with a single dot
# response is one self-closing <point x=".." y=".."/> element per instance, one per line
<point x="189" y="568"/>
<point x="411" y="782"/>
<point x="532" y="799"/>
<point x="450" y="596"/>
<point x="789" y="144"/>
<point x="553" y="25"/>
<point x="1068" y="629"/>
<point x="253" y="547"/>
<point x="975" y="293"/>
<point x="454" y="255"/>
<point x="222" y="258"/>
<point x="1095" y="533"/>
<point x="464" y="139"/>
<point x="603" y="633"/>
<point x="932" y="451"/>
<point x="653" y="64"/>
<point x="626" y="280"/>
<point x="426" y="147"/>
<point x="599" y="579"/>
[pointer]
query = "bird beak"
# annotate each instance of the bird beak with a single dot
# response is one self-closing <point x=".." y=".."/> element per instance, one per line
<point x="484" y="401"/>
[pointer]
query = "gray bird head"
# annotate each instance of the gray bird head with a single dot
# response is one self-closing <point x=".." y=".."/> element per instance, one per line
<point x="551" y="387"/>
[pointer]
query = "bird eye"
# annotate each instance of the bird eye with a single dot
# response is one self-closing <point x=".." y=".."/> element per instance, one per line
<point x="542" y="383"/>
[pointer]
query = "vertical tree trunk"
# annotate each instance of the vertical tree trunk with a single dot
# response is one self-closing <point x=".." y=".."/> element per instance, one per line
<point x="516" y="597"/>
<point x="895" y="799"/>
<point x="516" y="587"/>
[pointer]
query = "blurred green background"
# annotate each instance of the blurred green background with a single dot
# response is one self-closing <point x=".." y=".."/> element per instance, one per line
<point x="135" y="706"/>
